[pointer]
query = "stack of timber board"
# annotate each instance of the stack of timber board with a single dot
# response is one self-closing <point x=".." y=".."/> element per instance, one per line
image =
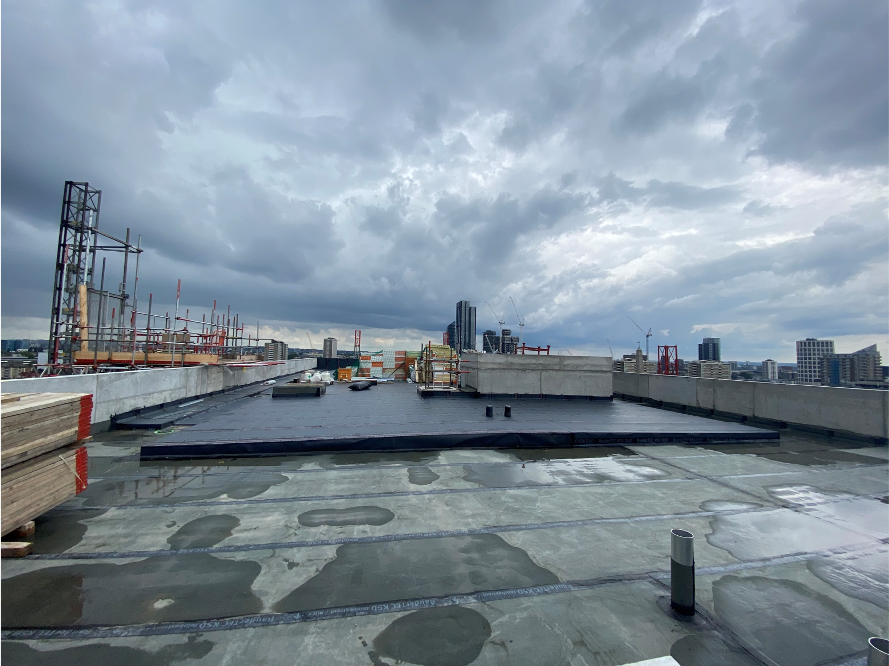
<point x="35" y="486"/>
<point x="42" y="464"/>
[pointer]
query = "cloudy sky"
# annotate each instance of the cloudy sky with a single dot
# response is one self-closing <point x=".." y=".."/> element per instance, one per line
<point x="706" y="168"/>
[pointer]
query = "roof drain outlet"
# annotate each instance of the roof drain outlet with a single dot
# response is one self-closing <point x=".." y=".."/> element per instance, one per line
<point x="682" y="572"/>
<point x="489" y="411"/>
<point x="877" y="652"/>
<point x="507" y="411"/>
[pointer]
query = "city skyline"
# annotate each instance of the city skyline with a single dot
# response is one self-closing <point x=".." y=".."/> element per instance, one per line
<point x="704" y="167"/>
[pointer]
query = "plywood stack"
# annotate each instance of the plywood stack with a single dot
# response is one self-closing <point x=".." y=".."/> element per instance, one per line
<point x="41" y="454"/>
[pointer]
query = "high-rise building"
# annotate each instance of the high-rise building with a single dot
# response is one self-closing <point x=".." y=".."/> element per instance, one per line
<point x="808" y="359"/>
<point x="508" y="342"/>
<point x="769" y="370"/>
<point x="846" y="369"/>
<point x="490" y="342"/>
<point x="275" y="351"/>
<point x="329" y="348"/>
<point x="452" y="335"/>
<point x="709" y="350"/>
<point x="709" y="369"/>
<point x="465" y="327"/>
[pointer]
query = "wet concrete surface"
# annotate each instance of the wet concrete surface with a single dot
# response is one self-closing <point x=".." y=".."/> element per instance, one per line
<point x="368" y="573"/>
<point x="791" y="545"/>
<point x="786" y="621"/>
<point x="95" y="654"/>
<point x="356" y="515"/>
<point x="450" y="636"/>
<point x="422" y="476"/>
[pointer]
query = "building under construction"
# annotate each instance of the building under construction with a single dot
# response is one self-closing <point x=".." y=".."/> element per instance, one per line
<point x="96" y="322"/>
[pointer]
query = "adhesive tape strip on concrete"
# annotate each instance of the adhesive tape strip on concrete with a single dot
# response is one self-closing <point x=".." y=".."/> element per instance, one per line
<point x="660" y="661"/>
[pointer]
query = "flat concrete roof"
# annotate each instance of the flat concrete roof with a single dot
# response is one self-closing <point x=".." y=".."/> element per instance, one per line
<point x="394" y="417"/>
<point x="457" y="557"/>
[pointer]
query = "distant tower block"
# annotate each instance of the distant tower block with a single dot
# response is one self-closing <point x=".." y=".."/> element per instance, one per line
<point x="329" y="348"/>
<point x="667" y="360"/>
<point x="276" y="351"/>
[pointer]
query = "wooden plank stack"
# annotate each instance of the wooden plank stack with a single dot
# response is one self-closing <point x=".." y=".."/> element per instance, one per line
<point x="41" y="454"/>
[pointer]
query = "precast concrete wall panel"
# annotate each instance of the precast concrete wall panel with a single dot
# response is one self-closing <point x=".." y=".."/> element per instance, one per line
<point x="734" y="397"/>
<point x="857" y="411"/>
<point x="121" y="392"/>
<point x="678" y="390"/>
<point x="538" y="375"/>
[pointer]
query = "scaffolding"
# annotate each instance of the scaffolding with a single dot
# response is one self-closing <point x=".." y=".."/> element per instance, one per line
<point x="98" y="329"/>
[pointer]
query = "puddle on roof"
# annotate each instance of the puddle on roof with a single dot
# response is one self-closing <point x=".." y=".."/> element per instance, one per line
<point x="356" y="515"/>
<point x="863" y="514"/>
<point x="755" y="535"/>
<point x="91" y="654"/>
<point x="728" y="505"/>
<point x="449" y="636"/>
<point x="60" y="530"/>
<point x="204" y="532"/>
<point x="421" y="476"/>
<point x="804" y="495"/>
<point x="558" y="473"/>
<point x="191" y="586"/>
<point x="796" y="452"/>
<point x="332" y="461"/>
<point x="862" y="575"/>
<point x="376" y="572"/>
<point x="709" y="649"/>
<point x="786" y="621"/>
<point x="526" y="455"/>
<point x="166" y="489"/>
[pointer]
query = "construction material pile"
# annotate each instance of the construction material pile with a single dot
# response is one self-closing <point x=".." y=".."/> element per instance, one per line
<point x="43" y="460"/>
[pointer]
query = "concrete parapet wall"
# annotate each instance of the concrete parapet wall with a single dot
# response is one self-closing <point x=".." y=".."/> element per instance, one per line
<point x="538" y="375"/>
<point x="856" y="411"/>
<point x="122" y="392"/>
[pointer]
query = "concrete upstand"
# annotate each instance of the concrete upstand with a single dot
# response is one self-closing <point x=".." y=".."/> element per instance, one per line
<point x="682" y="572"/>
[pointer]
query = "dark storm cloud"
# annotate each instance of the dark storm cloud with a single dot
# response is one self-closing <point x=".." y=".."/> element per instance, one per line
<point x="822" y="94"/>
<point x="371" y="163"/>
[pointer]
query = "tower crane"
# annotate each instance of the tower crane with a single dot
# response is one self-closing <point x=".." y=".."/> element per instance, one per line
<point x="521" y="322"/>
<point x="647" y="335"/>
<point x="609" y="347"/>
<point x="500" y="321"/>
<point x="311" y="346"/>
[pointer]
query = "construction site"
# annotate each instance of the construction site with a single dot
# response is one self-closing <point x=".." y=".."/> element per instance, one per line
<point x="176" y="490"/>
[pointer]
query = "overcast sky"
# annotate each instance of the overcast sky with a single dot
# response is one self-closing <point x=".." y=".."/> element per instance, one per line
<point x="706" y="168"/>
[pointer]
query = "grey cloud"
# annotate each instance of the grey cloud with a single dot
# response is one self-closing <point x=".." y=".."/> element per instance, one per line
<point x="469" y="20"/>
<point x="658" y="194"/>
<point x="760" y="209"/>
<point x="625" y="26"/>
<point x="824" y="93"/>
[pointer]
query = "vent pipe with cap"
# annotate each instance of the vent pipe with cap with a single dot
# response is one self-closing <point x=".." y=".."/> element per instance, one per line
<point x="682" y="572"/>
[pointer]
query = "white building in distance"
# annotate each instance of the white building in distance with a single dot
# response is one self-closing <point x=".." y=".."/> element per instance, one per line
<point x="808" y="359"/>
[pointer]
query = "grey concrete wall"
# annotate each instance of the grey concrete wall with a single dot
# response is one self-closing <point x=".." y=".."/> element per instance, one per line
<point x="538" y="375"/>
<point x="121" y="392"/>
<point x="857" y="411"/>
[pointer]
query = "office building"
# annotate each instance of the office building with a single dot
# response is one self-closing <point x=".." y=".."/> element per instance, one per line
<point x="637" y="362"/>
<point x="275" y="351"/>
<point x="329" y="348"/>
<point x="451" y="335"/>
<point x="709" y="369"/>
<point x="465" y="323"/>
<point x="769" y="370"/>
<point x="851" y="369"/>
<point x="709" y="350"/>
<point x="490" y="342"/>
<point x="808" y="359"/>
